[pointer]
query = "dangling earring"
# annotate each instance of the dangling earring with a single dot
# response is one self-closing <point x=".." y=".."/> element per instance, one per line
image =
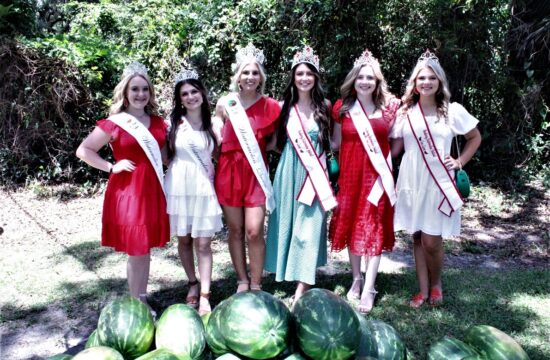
<point x="416" y="91"/>
<point x="125" y="103"/>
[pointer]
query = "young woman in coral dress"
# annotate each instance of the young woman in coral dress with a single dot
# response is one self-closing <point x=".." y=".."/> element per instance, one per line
<point x="242" y="181"/>
<point x="428" y="201"/>
<point x="363" y="220"/>
<point x="134" y="210"/>
<point x="296" y="238"/>
<point x="195" y="214"/>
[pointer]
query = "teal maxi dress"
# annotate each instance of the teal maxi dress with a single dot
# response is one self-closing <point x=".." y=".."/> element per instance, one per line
<point x="296" y="234"/>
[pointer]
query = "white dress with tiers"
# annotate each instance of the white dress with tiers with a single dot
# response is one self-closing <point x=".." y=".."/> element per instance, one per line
<point x="192" y="203"/>
<point x="418" y="196"/>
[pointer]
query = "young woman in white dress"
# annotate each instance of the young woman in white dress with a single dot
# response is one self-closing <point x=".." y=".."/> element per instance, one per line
<point x="428" y="202"/>
<point x="195" y="214"/>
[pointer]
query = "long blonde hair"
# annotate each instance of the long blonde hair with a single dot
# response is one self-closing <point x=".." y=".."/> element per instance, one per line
<point x="234" y="86"/>
<point x="380" y="95"/>
<point x="442" y="96"/>
<point x="120" y="100"/>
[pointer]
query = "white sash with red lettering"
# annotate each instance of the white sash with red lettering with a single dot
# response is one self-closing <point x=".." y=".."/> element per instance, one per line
<point x="383" y="166"/>
<point x="144" y="138"/>
<point x="243" y="130"/>
<point x="201" y="157"/>
<point x="452" y="201"/>
<point x="316" y="182"/>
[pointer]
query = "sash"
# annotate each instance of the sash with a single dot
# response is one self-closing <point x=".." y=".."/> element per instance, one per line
<point x="144" y="138"/>
<point x="316" y="182"/>
<point x="247" y="140"/>
<point x="201" y="157"/>
<point x="452" y="201"/>
<point x="382" y="165"/>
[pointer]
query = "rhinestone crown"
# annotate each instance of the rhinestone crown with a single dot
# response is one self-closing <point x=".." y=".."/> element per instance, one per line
<point x="250" y="53"/>
<point x="134" y="68"/>
<point x="428" y="56"/>
<point x="186" y="74"/>
<point x="366" y="58"/>
<point x="306" y="56"/>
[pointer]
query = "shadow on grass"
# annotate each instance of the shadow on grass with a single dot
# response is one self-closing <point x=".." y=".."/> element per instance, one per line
<point x="89" y="253"/>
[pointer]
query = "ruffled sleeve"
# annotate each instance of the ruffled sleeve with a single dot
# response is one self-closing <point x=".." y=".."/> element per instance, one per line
<point x="390" y="111"/>
<point x="109" y="127"/>
<point x="460" y="120"/>
<point x="336" y="111"/>
<point x="268" y="122"/>
<point x="397" y="128"/>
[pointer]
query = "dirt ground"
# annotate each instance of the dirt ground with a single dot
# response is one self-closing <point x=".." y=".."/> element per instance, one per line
<point x="37" y="224"/>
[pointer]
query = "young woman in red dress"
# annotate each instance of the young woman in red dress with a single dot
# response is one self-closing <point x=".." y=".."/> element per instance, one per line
<point x="243" y="189"/>
<point x="363" y="220"/>
<point x="134" y="210"/>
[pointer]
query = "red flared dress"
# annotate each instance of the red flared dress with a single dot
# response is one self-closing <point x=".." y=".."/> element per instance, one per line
<point x="356" y="223"/>
<point x="235" y="182"/>
<point x="134" y="210"/>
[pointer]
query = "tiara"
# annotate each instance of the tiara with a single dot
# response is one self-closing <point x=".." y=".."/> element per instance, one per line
<point x="250" y="53"/>
<point x="428" y="56"/>
<point x="366" y="58"/>
<point x="306" y="56"/>
<point x="186" y="74"/>
<point x="134" y="68"/>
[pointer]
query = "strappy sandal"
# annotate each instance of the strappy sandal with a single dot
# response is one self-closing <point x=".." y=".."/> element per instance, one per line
<point x="436" y="297"/>
<point x="364" y="309"/>
<point x="192" y="300"/>
<point x="417" y="301"/>
<point x="351" y="295"/>
<point x="256" y="287"/>
<point x="243" y="282"/>
<point x="203" y="310"/>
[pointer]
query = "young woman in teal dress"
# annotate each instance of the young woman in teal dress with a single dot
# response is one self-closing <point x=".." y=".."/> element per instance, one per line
<point x="296" y="237"/>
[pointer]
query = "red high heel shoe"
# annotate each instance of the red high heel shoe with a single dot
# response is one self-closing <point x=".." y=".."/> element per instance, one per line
<point x="436" y="297"/>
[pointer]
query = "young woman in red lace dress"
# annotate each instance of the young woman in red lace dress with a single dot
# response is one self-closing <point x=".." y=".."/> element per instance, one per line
<point x="363" y="223"/>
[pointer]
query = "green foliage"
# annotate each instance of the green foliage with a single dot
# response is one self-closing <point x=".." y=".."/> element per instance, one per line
<point x="471" y="37"/>
<point x="17" y="17"/>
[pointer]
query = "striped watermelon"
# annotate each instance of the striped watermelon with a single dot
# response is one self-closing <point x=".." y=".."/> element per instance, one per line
<point x="255" y="324"/>
<point x="180" y="330"/>
<point x="158" y="354"/>
<point x="98" y="353"/>
<point x="494" y="343"/>
<point x="93" y="340"/>
<point x="389" y="345"/>
<point x="326" y="326"/>
<point x="474" y="357"/>
<point x="214" y="338"/>
<point x="451" y="349"/>
<point x="367" y="345"/>
<point x="127" y="326"/>
<point x="60" y="357"/>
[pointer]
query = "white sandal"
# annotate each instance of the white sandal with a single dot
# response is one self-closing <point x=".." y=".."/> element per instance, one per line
<point x="353" y="295"/>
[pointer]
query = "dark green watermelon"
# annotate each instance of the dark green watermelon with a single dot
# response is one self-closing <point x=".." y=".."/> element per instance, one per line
<point x="326" y="326"/>
<point x="180" y="330"/>
<point x="494" y="344"/>
<point x="93" y="340"/>
<point x="451" y="349"/>
<point x="205" y="318"/>
<point x="159" y="354"/>
<point x="60" y="357"/>
<point x="98" y="353"/>
<point x="214" y="337"/>
<point x="389" y="345"/>
<point x="367" y="345"/>
<point x="127" y="326"/>
<point x="255" y="324"/>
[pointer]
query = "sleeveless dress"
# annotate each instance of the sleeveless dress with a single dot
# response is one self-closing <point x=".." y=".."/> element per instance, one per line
<point x="192" y="203"/>
<point x="418" y="196"/>
<point x="134" y="210"/>
<point x="235" y="183"/>
<point x="296" y="233"/>
<point x="356" y="223"/>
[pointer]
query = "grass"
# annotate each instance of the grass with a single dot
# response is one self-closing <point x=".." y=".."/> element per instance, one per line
<point x="515" y="301"/>
<point x="63" y="278"/>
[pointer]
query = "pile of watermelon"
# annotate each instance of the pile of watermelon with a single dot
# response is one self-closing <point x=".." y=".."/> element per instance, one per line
<point x="256" y="325"/>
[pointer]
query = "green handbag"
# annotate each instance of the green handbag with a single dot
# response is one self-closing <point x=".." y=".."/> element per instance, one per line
<point x="461" y="178"/>
<point x="332" y="167"/>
